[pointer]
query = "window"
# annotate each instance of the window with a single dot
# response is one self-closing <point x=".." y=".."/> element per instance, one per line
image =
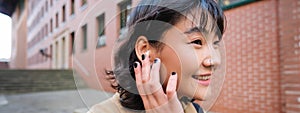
<point x="56" y="20"/>
<point x="72" y="35"/>
<point x="63" y="53"/>
<point x="51" y="25"/>
<point x="46" y="6"/>
<point x="51" y="47"/>
<point x="228" y="4"/>
<point x="101" y="31"/>
<point x="72" y="7"/>
<point x="42" y="12"/>
<point x="83" y="2"/>
<point x="84" y="36"/>
<point x="51" y="3"/>
<point x="64" y="13"/>
<point x="21" y="5"/>
<point x="124" y="15"/>
<point x="47" y="30"/>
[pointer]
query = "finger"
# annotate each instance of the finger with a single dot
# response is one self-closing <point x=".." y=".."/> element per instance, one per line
<point x="145" y="67"/>
<point x="148" y="100"/>
<point x="137" y="72"/>
<point x="138" y="78"/>
<point x="156" y="88"/>
<point x="154" y="74"/>
<point x="171" y="86"/>
<point x="154" y="77"/>
<point x="159" y="96"/>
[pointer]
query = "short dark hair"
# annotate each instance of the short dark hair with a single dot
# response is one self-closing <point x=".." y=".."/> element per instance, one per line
<point x="151" y="18"/>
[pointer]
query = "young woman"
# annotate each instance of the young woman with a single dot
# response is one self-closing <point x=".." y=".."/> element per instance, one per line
<point x="169" y="58"/>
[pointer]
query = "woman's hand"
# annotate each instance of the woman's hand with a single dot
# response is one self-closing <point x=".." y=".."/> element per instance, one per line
<point x="154" y="98"/>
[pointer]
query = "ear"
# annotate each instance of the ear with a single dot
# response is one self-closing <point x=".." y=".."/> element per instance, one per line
<point x="142" y="46"/>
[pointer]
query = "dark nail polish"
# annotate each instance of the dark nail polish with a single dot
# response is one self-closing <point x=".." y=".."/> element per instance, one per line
<point x="143" y="57"/>
<point x="173" y="73"/>
<point x="155" y="60"/>
<point x="135" y="65"/>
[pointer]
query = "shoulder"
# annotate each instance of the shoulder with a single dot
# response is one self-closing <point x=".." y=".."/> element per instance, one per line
<point x="107" y="106"/>
<point x="112" y="105"/>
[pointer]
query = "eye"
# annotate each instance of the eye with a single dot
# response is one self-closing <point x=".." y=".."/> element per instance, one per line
<point x="217" y="42"/>
<point x="198" y="42"/>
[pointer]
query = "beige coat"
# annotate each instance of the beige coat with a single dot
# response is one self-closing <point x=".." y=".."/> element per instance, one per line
<point x="112" y="105"/>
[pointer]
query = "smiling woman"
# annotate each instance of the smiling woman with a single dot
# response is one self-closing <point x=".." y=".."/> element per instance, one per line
<point x="171" y="56"/>
<point x="5" y="40"/>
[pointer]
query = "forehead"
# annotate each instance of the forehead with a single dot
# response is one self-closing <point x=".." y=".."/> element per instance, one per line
<point x="201" y="19"/>
<point x="190" y="25"/>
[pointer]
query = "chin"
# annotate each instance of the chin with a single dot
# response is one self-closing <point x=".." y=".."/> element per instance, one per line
<point x="201" y="95"/>
<point x="199" y="98"/>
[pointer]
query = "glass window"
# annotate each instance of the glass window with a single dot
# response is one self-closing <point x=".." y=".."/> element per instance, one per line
<point x="124" y="12"/>
<point x="83" y="2"/>
<point x="21" y="5"/>
<point x="51" y="25"/>
<point x="46" y="6"/>
<point x="84" y="36"/>
<point x="51" y="3"/>
<point x="72" y="7"/>
<point x="64" y="13"/>
<point x="56" y="20"/>
<point x="228" y="4"/>
<point x="100" y="22"/>
<point x="72" y="35"/>
<point x="101" y="31"/>
<point x="47" y="30"/>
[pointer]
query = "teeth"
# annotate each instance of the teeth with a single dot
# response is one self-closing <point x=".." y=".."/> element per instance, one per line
<point x="202" y="77"/>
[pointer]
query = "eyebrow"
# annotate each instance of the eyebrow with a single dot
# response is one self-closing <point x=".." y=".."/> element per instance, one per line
<point x="195" y="29"/>
<point x="200" y="30"/>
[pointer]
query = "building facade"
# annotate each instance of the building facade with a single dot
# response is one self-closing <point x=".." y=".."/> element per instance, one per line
<point x="262" y="47"/>
<point x="4" y="64"/>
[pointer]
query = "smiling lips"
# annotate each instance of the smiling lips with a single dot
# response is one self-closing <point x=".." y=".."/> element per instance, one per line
<point x="203" y="79"/>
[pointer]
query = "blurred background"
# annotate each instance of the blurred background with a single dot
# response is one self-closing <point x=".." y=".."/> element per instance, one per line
<point x="41" y="69"/>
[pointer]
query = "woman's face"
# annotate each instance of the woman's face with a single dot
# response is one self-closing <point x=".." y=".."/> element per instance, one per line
<point x="193" y="55"/>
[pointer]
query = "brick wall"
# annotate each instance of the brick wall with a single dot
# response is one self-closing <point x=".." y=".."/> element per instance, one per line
<point x="289" y="20"/>
<point x="252" y="80"/>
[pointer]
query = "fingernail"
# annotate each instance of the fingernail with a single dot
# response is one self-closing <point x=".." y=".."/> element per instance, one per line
<point x="135" y="65"/>
<point x="143" y="57"/>
<point x="173" y="73"/>
<point x="155" y="60"/>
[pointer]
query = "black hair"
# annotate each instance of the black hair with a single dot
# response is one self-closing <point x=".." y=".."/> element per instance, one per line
<point x="151" y="18"/>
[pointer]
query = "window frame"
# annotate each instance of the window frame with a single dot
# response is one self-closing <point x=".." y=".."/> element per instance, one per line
<point x="235" y="4"/>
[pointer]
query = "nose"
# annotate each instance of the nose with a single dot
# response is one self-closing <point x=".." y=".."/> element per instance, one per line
<point x="211" y="58"/>
<point x="208" y="62"/>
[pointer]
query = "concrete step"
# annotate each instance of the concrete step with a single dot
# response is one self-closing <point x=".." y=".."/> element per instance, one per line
<point x="22" y="81"/>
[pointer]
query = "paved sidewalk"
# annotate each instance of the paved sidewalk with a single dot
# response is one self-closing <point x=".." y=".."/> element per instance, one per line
<point x="68" y="101"/>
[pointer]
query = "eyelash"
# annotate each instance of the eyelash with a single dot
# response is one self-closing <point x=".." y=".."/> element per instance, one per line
<point x="199" y="42"/>
<point x="216" y="42"/>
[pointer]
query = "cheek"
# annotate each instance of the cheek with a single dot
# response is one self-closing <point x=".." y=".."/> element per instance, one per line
<point x="180" y="59"/>
<point x="170" y="63"/>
